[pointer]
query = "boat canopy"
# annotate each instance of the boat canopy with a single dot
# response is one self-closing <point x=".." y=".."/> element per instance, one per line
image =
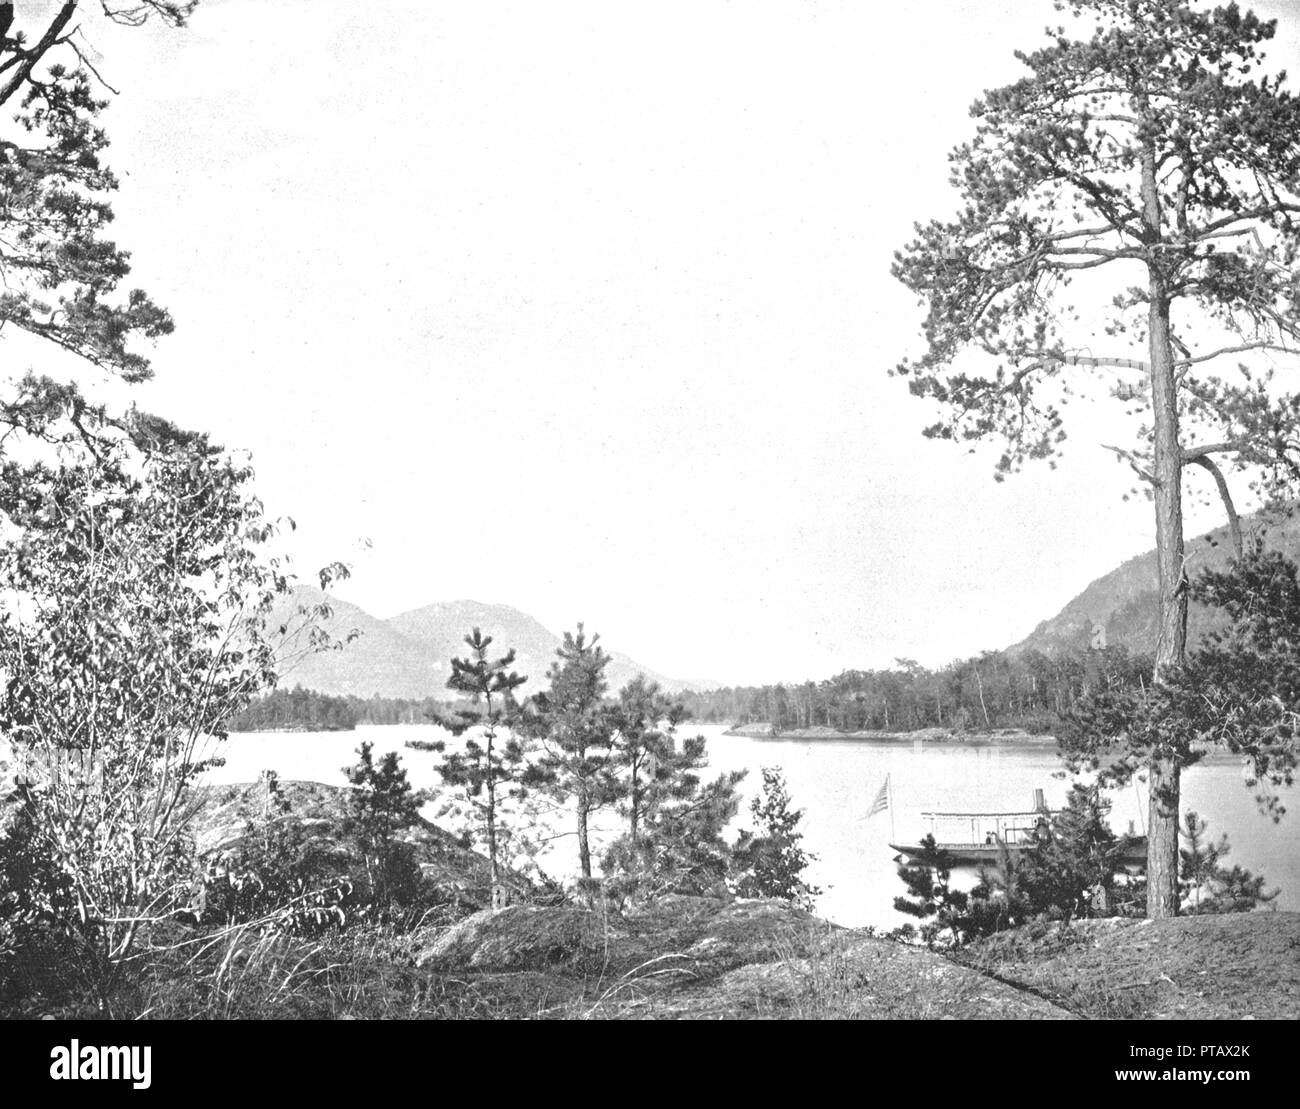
<point x="987" y="827"/>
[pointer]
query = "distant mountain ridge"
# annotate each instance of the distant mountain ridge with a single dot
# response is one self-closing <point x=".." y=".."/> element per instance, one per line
<point x="408" y="655"/>
<point x="1121" y="608"/>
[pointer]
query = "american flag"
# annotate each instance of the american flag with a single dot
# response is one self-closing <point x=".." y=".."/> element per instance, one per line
<point x="881" y="803"/>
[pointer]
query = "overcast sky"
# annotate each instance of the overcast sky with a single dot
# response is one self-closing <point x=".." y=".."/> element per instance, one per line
<point x="586" y="308"/>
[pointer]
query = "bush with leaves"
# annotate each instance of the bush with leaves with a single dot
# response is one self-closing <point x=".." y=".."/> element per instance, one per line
<point x="36" y="903"/>
<point x="771" y="863"/>
<point x="138" y="620"/>
<point x="277" y="875"/>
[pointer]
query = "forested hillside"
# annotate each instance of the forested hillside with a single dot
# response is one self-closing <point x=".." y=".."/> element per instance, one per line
<point x="1026" y="689"/>
<point x="1121" y="608"/>
<point x="1107" y="628"/>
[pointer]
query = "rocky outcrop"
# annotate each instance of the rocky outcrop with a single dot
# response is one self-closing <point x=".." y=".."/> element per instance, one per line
<point x="223" y="816"/>
<point x="752" y="731"/>
<point x="522" y="937"/>
<point x="698" y="957"/>
<point x="1121" y="609"/>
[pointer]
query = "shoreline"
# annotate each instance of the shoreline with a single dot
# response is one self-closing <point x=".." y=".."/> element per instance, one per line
<point x="1013" y="737"/>
<point x="925" y="735"/>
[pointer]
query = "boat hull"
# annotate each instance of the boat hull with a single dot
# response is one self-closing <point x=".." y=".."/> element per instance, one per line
<point x="1134" y="853"/>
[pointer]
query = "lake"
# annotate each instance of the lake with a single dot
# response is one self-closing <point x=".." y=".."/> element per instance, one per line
<point x="834" y="782"/>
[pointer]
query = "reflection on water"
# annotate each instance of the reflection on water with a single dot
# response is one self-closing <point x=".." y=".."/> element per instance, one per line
<point x="834" y="783"/>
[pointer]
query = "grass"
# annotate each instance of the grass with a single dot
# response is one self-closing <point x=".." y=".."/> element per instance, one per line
<point x="1090" y="991"/>
<point x="697" y="960"/>
<point x="836" y="976"/>
<point x="241" y="973"/>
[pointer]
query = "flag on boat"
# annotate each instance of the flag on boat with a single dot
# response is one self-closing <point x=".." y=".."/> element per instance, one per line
<point x="881" y="803"/>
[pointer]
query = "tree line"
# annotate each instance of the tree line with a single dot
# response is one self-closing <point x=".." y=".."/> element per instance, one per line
<point x="297" y="709"/>
<point x="309" y="710"/>
<point x="1029" y="690"/>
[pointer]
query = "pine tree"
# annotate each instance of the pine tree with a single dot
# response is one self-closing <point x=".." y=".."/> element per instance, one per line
<point x="684" y="839"/>
<point x="382" y="805"/>
<point x="61" y="274"/>
<point x="1239" y="690"/>
<point x="928" y="878"/>
<point x="771" y="863"/>
<point x="493" y="766"/>
<point x="1242" y="689"/>
<point x="1155" y="153"/>
<point x="644" y="754"/>
<point x="675" y="830"/>
<point x="577" y="731"/>
<point x="1205" y="884"/>
<point x="1073" y="872"/>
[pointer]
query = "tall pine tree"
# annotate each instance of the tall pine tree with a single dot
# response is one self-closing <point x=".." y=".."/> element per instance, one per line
<point x="577" y="731"/>
<point x="493" y="765"/>
<point x="1155" y="159"/>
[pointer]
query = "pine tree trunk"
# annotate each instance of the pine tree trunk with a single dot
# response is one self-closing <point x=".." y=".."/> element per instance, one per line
<point x="498" y="893"/>
<point x="636" y="804"/>
<point x="1162" y="844"/>
<point x="584" y="848"/>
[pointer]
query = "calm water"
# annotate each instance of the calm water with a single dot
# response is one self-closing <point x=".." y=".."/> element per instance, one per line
<point x="834" y="782"/>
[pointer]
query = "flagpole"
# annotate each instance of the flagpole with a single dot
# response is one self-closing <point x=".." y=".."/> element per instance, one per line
<point x="889" y="781"/>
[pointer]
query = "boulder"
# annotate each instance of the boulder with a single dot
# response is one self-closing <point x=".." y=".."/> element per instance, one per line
<point x="522" y="937"/>
<point x="224" y="815"/>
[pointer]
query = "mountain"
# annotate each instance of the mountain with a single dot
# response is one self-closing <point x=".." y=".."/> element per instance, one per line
<point x="407" y="655"/>
<point x="1121" y="608"/>
<point x="380" y="660"/>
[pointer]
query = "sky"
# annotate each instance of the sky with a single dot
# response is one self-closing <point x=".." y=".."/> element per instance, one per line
<point x="586" y="308"/>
